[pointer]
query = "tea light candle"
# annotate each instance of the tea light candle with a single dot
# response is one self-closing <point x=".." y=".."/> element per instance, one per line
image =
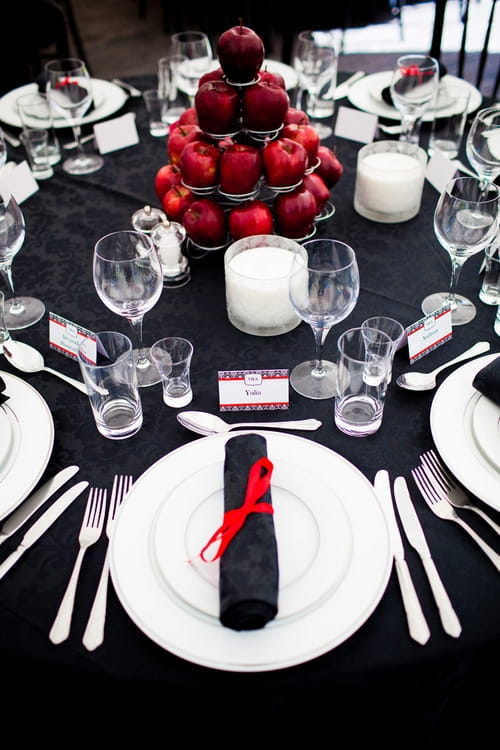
<point x="257" y="290"/>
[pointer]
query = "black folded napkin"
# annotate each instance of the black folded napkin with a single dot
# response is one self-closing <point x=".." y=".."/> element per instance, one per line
<point x="3" y="396"/>
<point x="487" y="381"/>
<point x="249" y="575"/>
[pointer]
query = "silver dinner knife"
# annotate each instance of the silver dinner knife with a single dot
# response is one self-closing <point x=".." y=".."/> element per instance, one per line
<point x="42" y="524"/>
<point x="29" y="506"/>
<point x="417" y="624"/>
<point x="341" y="90"/>
<point x="415" y="534"/>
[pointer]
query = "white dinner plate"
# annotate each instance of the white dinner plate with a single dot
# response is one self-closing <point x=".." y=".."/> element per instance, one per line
<point x="274" y="66"/>
<point x="108" y="99"/>
<point x="451" y="417"/>
<point x="36" y="440"/>
<point x="486" y="429"/>
<point x="10" y="436"/>
<point x="366" y="94"/>
<point x="177" y="622"/>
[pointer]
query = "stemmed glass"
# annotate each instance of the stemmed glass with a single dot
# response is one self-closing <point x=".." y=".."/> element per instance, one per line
<point x="414" y="86"/>
<point x="465" y="222"/>
<point x="69" y="90"/>
<point x="315" y="62"/>
<point x="128" y="278"/>
<point x="323" y="290"/>
<point x="483" y="144"/>
<point x="191" y="57"/>
<point x="3" y="150"/>
<point x="22" y="311"/>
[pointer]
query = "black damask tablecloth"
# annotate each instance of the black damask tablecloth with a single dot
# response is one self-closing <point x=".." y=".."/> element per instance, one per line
<point x="379" y="684"/>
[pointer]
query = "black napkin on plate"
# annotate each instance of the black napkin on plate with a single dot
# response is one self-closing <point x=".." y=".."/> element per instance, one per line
<point x="487" y="381"/>
<point x="3" y="396"/>
<point x="249" y="575"/>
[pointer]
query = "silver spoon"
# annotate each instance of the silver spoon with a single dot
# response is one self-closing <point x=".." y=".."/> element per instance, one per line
<point x="28" y="359"/>
<point x="425" y="381"/>
<point x="209" y="424"/>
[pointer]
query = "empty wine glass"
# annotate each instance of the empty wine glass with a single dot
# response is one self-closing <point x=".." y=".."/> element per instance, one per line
<point x="483" y="144"/>
<point x="465" y="222"/>
<point x="315" y="62"/>
<point x="128" y="278"/>
<point x="323" y="289"/>
<point x="3" y="150"/>
<point x="191" y="57"/>
<point x="414" y="86"/>
<point x="69" y="89"/>
<point x="20" y="312"/>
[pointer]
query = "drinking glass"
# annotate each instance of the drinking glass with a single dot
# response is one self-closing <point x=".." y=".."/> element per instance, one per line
<point x="128" y="278"/>
<point x="69" y="89"/>
<point x="323" y="288"/>
<point x="191" y="57"/>
<point x="465" y="222"/>
<point x="414" y="86"/>
<point x="3" y="150"/>
<point x="20" y="312"/>
<point x="483" y="144"/>
<point x="315" y="62"/>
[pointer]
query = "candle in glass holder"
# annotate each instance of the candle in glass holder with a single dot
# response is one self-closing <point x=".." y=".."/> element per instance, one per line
<point x="389" y="181"/>
<point x="256" y="273"/>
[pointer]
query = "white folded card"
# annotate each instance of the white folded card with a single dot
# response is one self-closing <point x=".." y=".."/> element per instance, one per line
<point x="356" y="125"/>
<point x="440" y="170"/>
<point x="17" y="180"/>
<point x="120" y="132"/>
<point x="243" y="390"/>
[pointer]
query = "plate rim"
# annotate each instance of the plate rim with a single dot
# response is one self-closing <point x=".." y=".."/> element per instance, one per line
<point x="482" y="403"/>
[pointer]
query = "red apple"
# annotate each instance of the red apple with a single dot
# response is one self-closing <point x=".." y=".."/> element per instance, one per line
<point x="295" y="213"/>
<point x="318" y="188"/>
<point x="273" y="77"/>
<point x="330" y="168"/>
<point x="179" y="136"/>
<point x="205" y="223"/>
<point x="218" y="108"/>
<point x="250" y="217"/>
<point x="284" y="162"/>
<point x="240" y="168"/>
<point x="199" y="164"/>
<point x="296" y="115"/>
<point x="166" y="177"/>
<point x="176" y="201"/>
<point x="264" y="106"/>
<point x="188" y="117"/>
<point x="306" y="135"/>
<point x="241" y="53"/>
<point x="211" y="75"/>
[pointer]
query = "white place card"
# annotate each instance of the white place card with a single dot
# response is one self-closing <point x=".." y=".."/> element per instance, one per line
<point x="356" y="125"/>
<point x="17" y="180"/>
<point x="65" y="336"/>
<point x="120" y="132"/>
<point x="440" y="170"/>
<point x="429" y="332"/>
<point x="244" y="390"/>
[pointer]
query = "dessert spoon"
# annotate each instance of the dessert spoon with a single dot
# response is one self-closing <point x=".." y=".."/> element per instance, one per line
<point x="426" y="381"/>
<point x="209" y="424"/>
<point x="28" y="359"/>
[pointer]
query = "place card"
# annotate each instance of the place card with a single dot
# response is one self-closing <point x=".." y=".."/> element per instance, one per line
<point x="429" y="332"/>
<point x="440" y="170"/>
<point x="244" y="390"/>
<point x="17" y="180"/>
<point x="66" y="337"/>
<point x="356" y="125"/>
<point x="120" y="132"/>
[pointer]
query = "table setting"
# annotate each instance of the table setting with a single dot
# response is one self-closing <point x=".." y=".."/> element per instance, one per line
<point x="338" y="603"/>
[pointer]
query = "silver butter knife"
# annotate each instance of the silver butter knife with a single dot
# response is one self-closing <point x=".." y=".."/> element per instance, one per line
<point x="124" y="85"/>
<point x="42" y="524"/>
<point x="415" y="534"/>
<point x="341" y="90"/>
<point x="29" y="506"/>
<point x="417" y="624"/>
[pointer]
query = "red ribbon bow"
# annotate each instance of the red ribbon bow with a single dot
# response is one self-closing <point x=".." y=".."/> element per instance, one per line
<point x="257" y="485"/>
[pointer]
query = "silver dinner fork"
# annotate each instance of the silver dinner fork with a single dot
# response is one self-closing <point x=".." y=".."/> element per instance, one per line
<point x="90" y="531"/>
<point x="442" y="508"/>
<point x="94" y="632"/>
<point x="444" y="484"/>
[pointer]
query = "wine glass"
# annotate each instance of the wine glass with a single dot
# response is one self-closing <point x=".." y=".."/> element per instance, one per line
<point x="465" y="222"/>
<point x="315" y="62"/>
<point x="483" y="144"/>
<point x="413" y="87"/>
<point x="128" y="278"/>
<point x="191" y="57"/>
<point x="21" y="312"/>
<point x="3" y="150"/>
<point x="69" y="89"/>
<point x="323" y="290"/>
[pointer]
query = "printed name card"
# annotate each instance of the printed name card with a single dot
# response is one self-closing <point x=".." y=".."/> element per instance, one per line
<point x="120" y="132"/>
<point x="429" y="332"/>
<point x="356" y="125"/>
<point x="244" y="390"/>
<point x="66" y="337"/>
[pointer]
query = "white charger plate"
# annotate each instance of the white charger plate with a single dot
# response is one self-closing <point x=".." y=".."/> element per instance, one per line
<point x="10" y="438"/>
<point x="451" y="417"/>
<point x="274" y="66"/>
<point x="108" y="99"/>
<point x="316" y="624"/>
<point x="486" y="429"/>
<point x="36" y="441"/>
<point x="366" y="94"/>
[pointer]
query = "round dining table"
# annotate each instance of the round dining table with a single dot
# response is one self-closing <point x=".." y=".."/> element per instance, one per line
<point x="376" y="685"/>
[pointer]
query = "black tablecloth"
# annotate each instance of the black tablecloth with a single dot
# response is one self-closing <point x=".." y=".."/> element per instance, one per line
<point x="377" y="685"/>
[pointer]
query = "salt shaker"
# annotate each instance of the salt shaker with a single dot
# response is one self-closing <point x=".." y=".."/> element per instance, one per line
<point x="168" y="237"/>
<point x="147" y="218"/>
